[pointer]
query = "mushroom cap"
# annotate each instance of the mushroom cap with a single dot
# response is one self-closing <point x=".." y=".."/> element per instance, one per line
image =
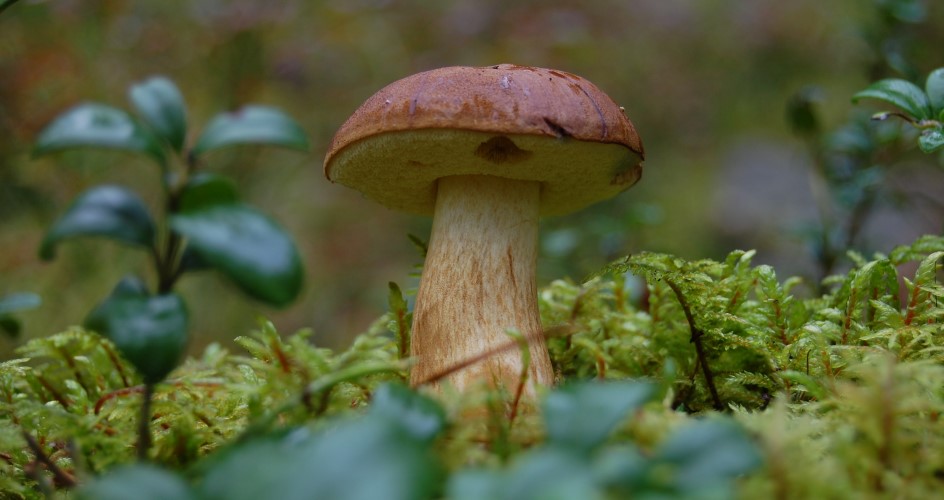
<point x="509" y="121"/>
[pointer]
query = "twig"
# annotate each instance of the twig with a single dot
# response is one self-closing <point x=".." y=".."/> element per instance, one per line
<point x="697" y="334"/>
<point x="436" y="377"/>
<point x="60" y="476"/>
<point x="522" y="377"/>
<point x="140" y="389"/>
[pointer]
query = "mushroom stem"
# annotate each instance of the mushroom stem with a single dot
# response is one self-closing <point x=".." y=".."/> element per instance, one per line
<point x="478" y="283"/>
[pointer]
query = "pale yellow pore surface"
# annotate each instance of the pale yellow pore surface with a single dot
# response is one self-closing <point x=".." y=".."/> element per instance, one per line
<point x="479" y="282"/>
<point x="400" y="169"/>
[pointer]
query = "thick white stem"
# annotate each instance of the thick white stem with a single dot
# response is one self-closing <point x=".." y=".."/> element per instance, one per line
<point x="479" y="282"/>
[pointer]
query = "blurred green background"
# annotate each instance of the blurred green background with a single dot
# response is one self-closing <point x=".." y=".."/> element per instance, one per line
<point x="705" y="81"/>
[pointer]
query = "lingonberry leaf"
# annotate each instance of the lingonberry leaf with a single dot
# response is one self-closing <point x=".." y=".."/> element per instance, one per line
<point x="150" y="331"/>
<point x="934" y="87"/>
<point x="931" y="139"/>
<point x="582" y="415"/>
<point x="108" y="211"/>
<point x="140" y="481"/>
<point x="707" y="452"/>
<point x="252" y="125"/>
<point x="901" y="93"/>
<point x="370" y="457"/>
<point x="162" y="107"/>
<point x="418" y="415"/>
<point x="247" y="246"/>
<point x="97" y="125"/>
<point x="12" y="303"/>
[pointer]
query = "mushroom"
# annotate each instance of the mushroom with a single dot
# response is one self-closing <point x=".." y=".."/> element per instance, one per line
<point x="486" y="151"/>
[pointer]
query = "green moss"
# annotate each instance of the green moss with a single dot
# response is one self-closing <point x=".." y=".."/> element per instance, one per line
<point x="841" y="393"/>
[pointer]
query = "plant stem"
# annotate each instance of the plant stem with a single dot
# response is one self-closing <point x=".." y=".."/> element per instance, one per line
<point x="61" y="477"/>
<point x="167" y="270"/>
<point x="144" y="423"/>
<point x="697" y="334"/>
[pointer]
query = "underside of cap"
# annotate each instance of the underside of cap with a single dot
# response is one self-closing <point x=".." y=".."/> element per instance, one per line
<point x="399" y="169"/>
<point x="508" y="121"/>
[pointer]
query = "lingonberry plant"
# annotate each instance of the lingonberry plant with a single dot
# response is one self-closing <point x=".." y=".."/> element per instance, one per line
<point x="921" y="108"/>
<point x="853" y="162"/>
<point x="202" y="223"/>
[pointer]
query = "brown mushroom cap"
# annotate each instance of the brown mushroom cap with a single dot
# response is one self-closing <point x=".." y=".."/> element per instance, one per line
<point x="509" y="121"/>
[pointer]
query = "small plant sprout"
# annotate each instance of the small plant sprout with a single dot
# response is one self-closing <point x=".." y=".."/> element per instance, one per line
<point x="204" y="224"/>
<point x="487" y="151"/>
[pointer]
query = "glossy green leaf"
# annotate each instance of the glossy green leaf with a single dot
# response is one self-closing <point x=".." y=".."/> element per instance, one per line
<point x="582" y="415"/>
<point x="11" y="303"/>
<point x="10" y="326"/>
<point x="900" y="93"/>
<point x="543" y="473"/>
<point x="246" y="246"/>
<point x="708" y="452"/>
<point x="934" y="88"/>
<point x="420" y="416"/>
<point x="140" y="482"/>
<point x="252" y="125"/>
<point x="162" y="107"/>
<point x="97" y="125"/>
<point x="802" y="110"/>
<point x="356" y="459"/>
<point x="106" y="211"/>
<point x="932" y="139"/>
<point x="622" y="467"/>
<point x="150" y="331"/>
<point x="18" y="302"/>
<point x="206" y="189"/>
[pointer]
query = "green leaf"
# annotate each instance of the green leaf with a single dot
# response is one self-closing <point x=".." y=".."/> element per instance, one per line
<point x="10" y="326"/>
<point x="140" y="481"/>
<point x="395" y="297"/>
<point x="207" y="189"/>
<point x="545" y="473"/>
<point x="708" y="452"/>
<point x="420" y="416"/>
<point x="900" y="93"/>
<point x="110" y="211"/>
<point x="162" y="107"/>
<point x="97" y="125"/>
<point x="18" y="301"/>
<point x="150" y="331"/>
<point x="931" y="139"/>
<point x="582" y="415"/>
<point x="355" y="459"/>
<point x="252" y="125"/>
<point x="801" y="110"/>
<point x="934" y="88"/>
<point x="246" y="246"/>
<point x="11" y="303"/>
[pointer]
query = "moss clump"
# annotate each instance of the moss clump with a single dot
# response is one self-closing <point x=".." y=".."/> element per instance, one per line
<point x="833" y="396"/>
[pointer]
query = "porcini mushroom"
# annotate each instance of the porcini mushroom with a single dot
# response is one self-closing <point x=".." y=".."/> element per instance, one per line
<point x="486" y="151"/>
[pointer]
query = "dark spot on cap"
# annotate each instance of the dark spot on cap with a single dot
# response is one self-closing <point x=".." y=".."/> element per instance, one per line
<point x="500" y="149"/>
<point x="557" y="128"/>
